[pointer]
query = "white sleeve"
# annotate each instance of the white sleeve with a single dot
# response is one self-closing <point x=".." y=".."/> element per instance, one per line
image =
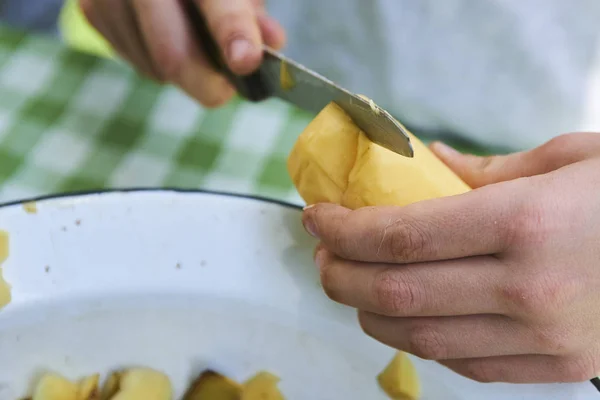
<point x="506" y="73"/>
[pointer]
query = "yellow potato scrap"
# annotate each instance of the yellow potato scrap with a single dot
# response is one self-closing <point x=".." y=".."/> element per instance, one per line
<point x="149" y="384"/>
<point x="143" y="384"/>
<point x="286" y="80"/>
<point x="399" y="379"/>
<point x="30" y="207"/>
<point x="262" y="386"/>
<point x="111" y="386"/>
<point x="55" y="387"/>
<point x="211" y="385"/>
<point x="88" y="388"/>
<point x="5" y="295"/>
<point x="334" y="161"/>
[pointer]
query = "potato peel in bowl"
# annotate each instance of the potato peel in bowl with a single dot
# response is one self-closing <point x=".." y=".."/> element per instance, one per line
<point x="149" y="384"/>
<point x="56" y="387"/>
<point x="5" y="295"/>
<point x="398" y="380"/>
<point x="212" y="385"/>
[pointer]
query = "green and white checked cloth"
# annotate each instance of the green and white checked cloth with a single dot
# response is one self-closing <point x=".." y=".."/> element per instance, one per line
<point x="72" y="122"/>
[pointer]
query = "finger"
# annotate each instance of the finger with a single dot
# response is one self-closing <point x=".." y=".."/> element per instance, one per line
<point x="474" y="223"/>
<point x="94" y="15"/>
<point x="448" y="288"/>
<point x="272" y="32"/>
<point x="480" y="171"/>
<point x="121" y="21"/>
<point x="443" y="338"/>
<point x="177" y="55"/>
<point x="524" y="369"/>
<point x="234" y="25"/>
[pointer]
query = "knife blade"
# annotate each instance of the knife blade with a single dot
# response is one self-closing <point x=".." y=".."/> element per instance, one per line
<point x="282" y="77"/>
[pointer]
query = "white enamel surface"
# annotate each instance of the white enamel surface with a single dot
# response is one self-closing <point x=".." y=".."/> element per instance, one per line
<point x="185" y="281"/>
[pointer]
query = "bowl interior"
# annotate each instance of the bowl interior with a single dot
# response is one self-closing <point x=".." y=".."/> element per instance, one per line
<point x="186" y="281"/>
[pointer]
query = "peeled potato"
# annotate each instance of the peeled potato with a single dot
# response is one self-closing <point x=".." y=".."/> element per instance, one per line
<point x="138" y="384"/>
<point x="399" y="379"/>
<point x="211" y="385"/>
<point x="262" y="386"/>
<point x="88" y="388"/>
<point x="55" y="387"/>
<point x="334" y="161"/>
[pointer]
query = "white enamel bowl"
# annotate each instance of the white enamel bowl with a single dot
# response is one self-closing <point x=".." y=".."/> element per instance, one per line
<point x="181" y="281"/>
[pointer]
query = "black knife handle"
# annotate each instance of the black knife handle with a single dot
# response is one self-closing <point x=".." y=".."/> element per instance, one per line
<point x="252" y="87"/>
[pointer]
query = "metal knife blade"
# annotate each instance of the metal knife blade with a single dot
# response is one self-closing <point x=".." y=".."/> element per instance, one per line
<point x="310" y="91"/>
<point x="282" y="77"/>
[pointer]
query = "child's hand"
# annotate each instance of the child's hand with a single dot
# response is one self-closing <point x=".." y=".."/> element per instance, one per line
<point x="155" y="37"/>
<point x="499" y="284"/>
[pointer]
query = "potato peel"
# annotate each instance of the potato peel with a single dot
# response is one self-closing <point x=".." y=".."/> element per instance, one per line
<point x="211" y="385"/>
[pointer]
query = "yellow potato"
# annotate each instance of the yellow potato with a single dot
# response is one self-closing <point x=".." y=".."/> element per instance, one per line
<point x="262" y="386"/>
<point x="142" y="384"/>
<point x="211" y="385"/>
<point x="111" y="386"/>
<point x="334" y="161"/>
<point x="88" y="388"/>
<point x="399" y="379"/>
<point x="30" y="207"/>
<point x="55" y="387"/>
<point x="5" y="295"/>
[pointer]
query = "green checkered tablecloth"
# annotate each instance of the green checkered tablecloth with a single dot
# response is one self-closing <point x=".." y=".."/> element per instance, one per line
<point x="72" y="122"/>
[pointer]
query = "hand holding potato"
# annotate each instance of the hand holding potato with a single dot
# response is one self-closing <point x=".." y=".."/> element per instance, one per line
<point x="499" y="284"/>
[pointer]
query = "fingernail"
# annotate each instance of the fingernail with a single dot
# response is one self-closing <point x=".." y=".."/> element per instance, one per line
<point x="239" y="49"/>
<point x="311" y="227"/>
<point x="445" y="150"/>
<point x="308" y="207"/>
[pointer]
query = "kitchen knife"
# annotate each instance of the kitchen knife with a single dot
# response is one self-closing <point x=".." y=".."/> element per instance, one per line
<point x="279" y="76"/>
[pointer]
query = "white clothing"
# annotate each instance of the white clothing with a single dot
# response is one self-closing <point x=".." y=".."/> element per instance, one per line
<point x="499" y="72"/>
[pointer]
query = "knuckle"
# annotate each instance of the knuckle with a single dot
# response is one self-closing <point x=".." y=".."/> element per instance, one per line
<point x="486" y="163"/>
<point x="568" y="148"/>
<point x="530" y="225"/>
<point x="557" y="146"/>
<point x="406" y="241"/>
<point x="231" y="25"/>
<point x="545" y="295"/>
<point x="169" y="61"/>
<point x="479" y="372"/>
<point x="553" y="341"/>
<point x="393" y="296"/>
<point x="426" y="342"/>
<point x="525" y="297"/>
<point x="344" y="241"/>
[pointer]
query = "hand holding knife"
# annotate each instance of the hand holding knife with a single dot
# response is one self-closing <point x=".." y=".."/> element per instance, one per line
<point x="279" y="76"/>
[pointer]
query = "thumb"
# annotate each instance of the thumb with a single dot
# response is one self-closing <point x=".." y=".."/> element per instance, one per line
<point x="479" y="171"/>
